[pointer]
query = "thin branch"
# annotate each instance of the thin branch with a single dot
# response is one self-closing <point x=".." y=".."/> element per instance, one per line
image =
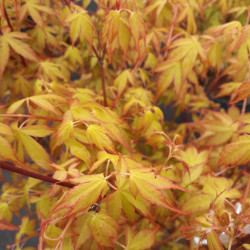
<point x="12" y="168"/>
<point x="7" y="18"/>
<point x="103" y="83"/>
<point x="100" y="61"/>
<point x="67" y="2"/>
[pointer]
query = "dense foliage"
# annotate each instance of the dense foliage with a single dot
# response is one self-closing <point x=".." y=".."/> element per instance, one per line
<point x="82" y="94"/>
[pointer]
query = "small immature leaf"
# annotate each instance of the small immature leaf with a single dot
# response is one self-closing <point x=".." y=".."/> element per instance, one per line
<point x="104" y="229"/>
<point x="122" y="80"/>
<point x="33" y="8"/>
<point x="81" y="25"/>
<point x="97" y="135"/>
<point x="79" y="150"/>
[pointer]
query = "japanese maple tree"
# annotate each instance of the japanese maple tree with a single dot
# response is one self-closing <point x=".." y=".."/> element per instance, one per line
<point x="93" y="159"/>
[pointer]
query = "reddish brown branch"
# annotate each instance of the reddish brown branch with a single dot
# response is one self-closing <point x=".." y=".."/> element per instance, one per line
<point x="100" y="61"/>
<point x="67" y="2"/>
<point x="103" y="84"/>
<point x="12" y="168"/>
<point x="7" y="18"/>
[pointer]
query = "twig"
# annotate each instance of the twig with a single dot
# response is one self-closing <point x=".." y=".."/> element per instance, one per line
<point x="67" y="2"/>
<point x="12" y="168"/>
<point x="7" y="18"/>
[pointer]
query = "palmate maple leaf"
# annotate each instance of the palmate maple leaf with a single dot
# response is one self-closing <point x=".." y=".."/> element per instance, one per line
<point x="13" y="40"/>
<point x="33" y="8"/>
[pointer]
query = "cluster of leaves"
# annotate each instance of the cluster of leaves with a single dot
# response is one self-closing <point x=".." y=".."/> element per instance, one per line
<point x="80" y="94"/>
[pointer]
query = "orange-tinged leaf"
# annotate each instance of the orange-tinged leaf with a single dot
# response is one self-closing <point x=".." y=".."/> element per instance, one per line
<point x="215" y="56"/>
<point x="219" y="188"/>
<point x="81" y="25"/>
<point x="241" y="93"/>
<point x="20" y="47"/>
<point x="122" y="80"/>
<point x="228" y="88"/>
<point x="150" y="192"/>
<point x="15" y="106"/>
<point x="124" y="37"/>
<point x="104" y="229"/>
<point x="36" y="152"/>
<point x="7" y="226"/>
<point x="236" y="152"/>
<point x="43" y="103"/>
<point x="138" y="29"/>
<point x="98" y="136"/>
<point x="4" y="55"/>
<point x="6" y="151"/>
<point x="33" y="8"/>
<point x="37" y="130"/>
<point x="114" y="205"/>
<point x="172" y="74"/>
<point x="139" y="203"/>
<point x="5" y="129"/>
<point x="197" y="203"/>
<point x="142" y="240"/>
<point x="83" y="195"/>
<point x="213" y="241"/>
